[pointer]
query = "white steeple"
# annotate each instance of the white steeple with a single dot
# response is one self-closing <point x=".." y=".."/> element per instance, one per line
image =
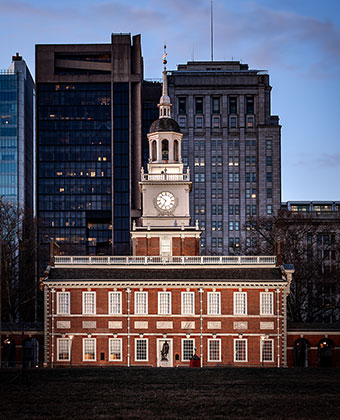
<point x="164" y="103"/>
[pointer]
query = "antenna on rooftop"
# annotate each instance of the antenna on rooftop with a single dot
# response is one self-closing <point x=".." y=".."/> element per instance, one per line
<point x="212" y="30"/>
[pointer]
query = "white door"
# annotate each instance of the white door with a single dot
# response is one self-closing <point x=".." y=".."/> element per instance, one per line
<point x="164" y="352"/>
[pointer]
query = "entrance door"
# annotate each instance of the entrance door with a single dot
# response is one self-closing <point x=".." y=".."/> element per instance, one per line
<point x="164" y="352"/>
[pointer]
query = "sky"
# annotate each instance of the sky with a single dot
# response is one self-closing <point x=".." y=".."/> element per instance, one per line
<point x="296" y="41"/>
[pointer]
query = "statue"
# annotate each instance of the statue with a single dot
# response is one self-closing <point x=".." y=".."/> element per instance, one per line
<point x="165" y="352"/>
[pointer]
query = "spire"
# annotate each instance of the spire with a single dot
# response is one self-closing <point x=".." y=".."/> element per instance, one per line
<point x="164" y="103"/>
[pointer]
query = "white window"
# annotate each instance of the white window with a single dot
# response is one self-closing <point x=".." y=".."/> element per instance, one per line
<point x="63" y="303"/>
<point x="266" y="303"/>
<point x="214" y="303"/>
<point x="214" y="350"/>
<point x="115" y="349"/>
<point x="63" y="349"/>
<point x="89" y="303"/>
<point x="240" y="350"/>
<point x="166" y="246"/>
<point x="89" y="349"/>
<point x="267" y="350"/>
<point x="164" y="303"/>
<point x="141" y="303"/>
<point x="187" y="349"/>
<point x="240" y="303"/>
<point x="141" y="349"/>
<point x="188" y="303"/>
<point x="115" y="302"/>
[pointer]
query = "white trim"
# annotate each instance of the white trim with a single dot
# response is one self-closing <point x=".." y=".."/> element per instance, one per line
<point x="245" y="301"/>
<point x="169" y="303"/>
<point x="218" y="295"/>
<point x="109" y="303"/>
<point x="193" y="303"/>
<point x="147" y="350"/>
<point x="94" y="303"/>
<point x="146" y="303"/>
<point x="271" y="294"/>
<point x="95" y="349"/>
<point x="68" y="349"/>
<point x="246" y="350"/>
<point x="261" y="350"/>
<point x="121" y="350"/>
<point x="182" y="348"/>
<point x="219" y="349"/>
<point x="68" y="303"/>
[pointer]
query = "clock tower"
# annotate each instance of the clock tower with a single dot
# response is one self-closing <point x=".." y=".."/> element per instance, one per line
<point x="165" y="191"/>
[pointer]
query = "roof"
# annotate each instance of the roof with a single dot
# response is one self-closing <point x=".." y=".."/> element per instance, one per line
<point x="164" y="124"/>
<point x="173" y="274"/>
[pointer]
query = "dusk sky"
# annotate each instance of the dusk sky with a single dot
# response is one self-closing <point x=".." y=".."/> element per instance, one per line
<point x="297" y="41"/>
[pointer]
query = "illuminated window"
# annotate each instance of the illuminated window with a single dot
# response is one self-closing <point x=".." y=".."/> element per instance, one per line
<point x="89" y="349"/>
<point x="115" y="349"/>
<point x="63" y="349"/>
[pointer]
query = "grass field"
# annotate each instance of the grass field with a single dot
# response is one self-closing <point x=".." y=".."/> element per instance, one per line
<point x="150" y="393"/>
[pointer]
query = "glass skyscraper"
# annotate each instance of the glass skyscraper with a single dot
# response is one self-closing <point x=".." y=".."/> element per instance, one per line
<point x="88" y="133"/>
<point x="16" y="135"/>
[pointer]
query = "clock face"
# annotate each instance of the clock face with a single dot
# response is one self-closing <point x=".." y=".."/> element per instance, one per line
<point x="165" y="200"/>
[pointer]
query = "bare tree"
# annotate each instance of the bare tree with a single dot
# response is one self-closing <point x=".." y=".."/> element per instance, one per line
<point x="308" y="242"/>
<point x="18" y="250"/>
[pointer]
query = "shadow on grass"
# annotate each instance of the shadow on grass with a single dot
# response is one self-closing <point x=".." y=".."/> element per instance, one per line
<point x="218" y="393"/>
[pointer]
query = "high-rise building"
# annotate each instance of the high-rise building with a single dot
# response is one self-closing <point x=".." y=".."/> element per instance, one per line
<point x="88" y="144"/>
<point x="16" y="135"/>
<point x="231" y="143"/>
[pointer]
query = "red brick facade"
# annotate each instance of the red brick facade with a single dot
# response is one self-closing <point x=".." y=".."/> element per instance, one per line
<point x="213" y="329"/>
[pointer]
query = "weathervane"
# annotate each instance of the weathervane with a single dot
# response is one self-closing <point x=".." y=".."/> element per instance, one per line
<point x="164" y="56"/>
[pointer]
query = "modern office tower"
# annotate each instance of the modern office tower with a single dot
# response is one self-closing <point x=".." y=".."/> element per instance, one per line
<point x="88" y="144"/>
<point x="231" y="143"/>
<point x="16" y="135"/>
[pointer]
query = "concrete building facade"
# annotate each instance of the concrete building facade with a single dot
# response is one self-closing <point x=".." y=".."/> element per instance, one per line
<point x="232" y="145"/>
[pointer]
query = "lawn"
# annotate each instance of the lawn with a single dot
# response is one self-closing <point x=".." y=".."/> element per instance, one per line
<point x="177" y="393"/>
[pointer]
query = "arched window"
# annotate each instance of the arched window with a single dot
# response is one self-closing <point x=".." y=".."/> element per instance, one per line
<point x="325" y="353"/>
<point x="165" y="150"/>
<point x="176" y="150"/>
<point x="301" y="353"/>
<point x="154" y="151"/>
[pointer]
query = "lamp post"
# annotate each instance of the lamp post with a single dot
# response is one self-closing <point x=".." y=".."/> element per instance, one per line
<point x="71" y="338"/>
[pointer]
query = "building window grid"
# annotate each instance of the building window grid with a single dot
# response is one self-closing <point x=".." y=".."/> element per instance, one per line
<point x="214" y="303"/>
<point x="115" y="303"/>
<point x="164" y="303"/>
<point x="240" y="303"/>
<point x="187" y="349"/>
<point x="115" y="349"/>
<point x="240" y="350"/>
<point x="141" y="349"/>
<point x="141" y="303"/>
<point x="267" y="354"/>
<point x="188" y="303"/>
<point x="63" y="349"/>
<point x="63" y="300"/>
<point x="89" y="349"/>
<point x="214" y="350"/>
<point x="89" y="303"/>
<point x="266" y="306"/>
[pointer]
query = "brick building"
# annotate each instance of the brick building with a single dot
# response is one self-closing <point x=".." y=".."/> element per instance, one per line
<point x="166" y="303"/>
